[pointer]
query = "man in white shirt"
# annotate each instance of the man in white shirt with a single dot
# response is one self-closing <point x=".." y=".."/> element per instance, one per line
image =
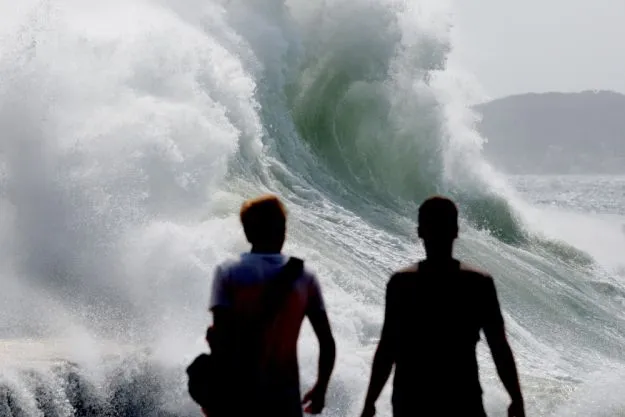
<point x="256" y="328"/>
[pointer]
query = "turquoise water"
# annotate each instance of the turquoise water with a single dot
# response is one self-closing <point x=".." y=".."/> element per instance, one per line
<point x="132" y="131"/>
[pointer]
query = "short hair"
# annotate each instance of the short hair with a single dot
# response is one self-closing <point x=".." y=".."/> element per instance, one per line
<point x="263" y="219"/>
<point x="438" y="215"/>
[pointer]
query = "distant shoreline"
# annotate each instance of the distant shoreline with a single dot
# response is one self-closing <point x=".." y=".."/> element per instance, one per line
<point x="555" y="133"/>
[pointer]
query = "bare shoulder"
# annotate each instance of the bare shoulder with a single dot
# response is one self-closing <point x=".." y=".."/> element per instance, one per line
<point x="475" y="273"/>
<point x="403" y="276"/>
<point x="410" y="269"/>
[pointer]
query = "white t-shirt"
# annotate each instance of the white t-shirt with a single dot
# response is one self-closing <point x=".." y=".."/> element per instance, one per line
<point x="256" y="269"/>
<point x="239" y="285"/>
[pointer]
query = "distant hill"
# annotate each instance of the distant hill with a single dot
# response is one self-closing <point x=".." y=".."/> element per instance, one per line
<point x="563" y="133"/>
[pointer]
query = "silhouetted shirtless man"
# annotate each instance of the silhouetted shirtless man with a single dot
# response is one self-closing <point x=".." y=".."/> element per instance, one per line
<point x="261" y="354"/>
<point x="435" y="311"/>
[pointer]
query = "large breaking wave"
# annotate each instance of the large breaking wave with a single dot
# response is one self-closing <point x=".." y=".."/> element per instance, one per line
<point x="132" y="130"/>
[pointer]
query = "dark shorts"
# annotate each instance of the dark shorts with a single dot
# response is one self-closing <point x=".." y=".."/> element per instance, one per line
<point x="419" y="411"/>
<point x="448" y="407"/>
<point x="270" y="404"/>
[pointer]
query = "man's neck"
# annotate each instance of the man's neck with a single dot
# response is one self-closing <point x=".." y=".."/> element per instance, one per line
<point x="439" y="255"/>
<point x="439" y="259"/>
<point x="265" y="250"/>
<point x="439" y="252"/>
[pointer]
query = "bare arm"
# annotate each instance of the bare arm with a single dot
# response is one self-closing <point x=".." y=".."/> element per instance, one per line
<point x="495" y="333"/>
<point x="384" y="358"/>
<point x="327" y="347"/>
<point x="314" y="400"/>
<point x="504" y="361"/>
<point x="381" y="370"/>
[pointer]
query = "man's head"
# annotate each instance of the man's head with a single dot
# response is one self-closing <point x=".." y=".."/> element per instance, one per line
<point x="264" y="222"/>
<point x="438" y="223"/>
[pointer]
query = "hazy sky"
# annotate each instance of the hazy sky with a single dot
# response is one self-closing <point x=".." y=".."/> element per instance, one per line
<point x="516" y="46"/>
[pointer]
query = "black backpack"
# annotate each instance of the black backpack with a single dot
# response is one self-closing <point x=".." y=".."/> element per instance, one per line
<point x="206" y="374"/>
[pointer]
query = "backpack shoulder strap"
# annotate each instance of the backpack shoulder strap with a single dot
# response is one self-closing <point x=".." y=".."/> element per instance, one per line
<point x="277" y="291"/>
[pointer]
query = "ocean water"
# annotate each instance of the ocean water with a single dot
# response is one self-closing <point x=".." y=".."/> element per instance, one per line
<point x="131" y="131"/>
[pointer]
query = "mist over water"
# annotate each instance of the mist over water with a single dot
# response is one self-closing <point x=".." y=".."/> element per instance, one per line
<point x="131" y="132"/>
